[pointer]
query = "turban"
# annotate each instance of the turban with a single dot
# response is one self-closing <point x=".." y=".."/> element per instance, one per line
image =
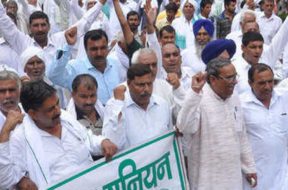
<point x="192" y="2"/>
<point x="214" y="48"/>
<point x="207" y="24"/>
<point x="29" y="53"/>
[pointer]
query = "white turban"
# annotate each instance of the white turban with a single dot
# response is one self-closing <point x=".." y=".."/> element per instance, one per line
<point x="29" y="53"/>
<point x="192" y="2"/>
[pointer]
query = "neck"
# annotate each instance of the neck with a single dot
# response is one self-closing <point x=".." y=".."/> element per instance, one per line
<point x="267" y="15"/>
<point x="100" y="66"/>
<point x="55" y="130"/>
<point x="43" y="43"/>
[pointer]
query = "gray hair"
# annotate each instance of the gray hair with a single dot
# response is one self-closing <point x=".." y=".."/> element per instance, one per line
<point x="246" y="12"/>
<point x="10" y="75"/>
<point x="214" y="66"/>
<point x="136" y="54"/>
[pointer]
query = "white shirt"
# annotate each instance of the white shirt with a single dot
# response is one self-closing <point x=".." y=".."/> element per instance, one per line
<point x="242" y="67"/>
<point x="126" y="124"/>
<point x="236" y="36"/>
<point x="268" y="134"/>
<point x="269" y="26"/>
<point x="47" y="158"/>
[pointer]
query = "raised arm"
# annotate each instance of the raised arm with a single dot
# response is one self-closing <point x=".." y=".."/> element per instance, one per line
<point x="128" y="34"/>
<point x="16" y="39"/>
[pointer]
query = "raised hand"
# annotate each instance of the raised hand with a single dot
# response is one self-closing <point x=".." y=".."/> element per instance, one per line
<point x="151" y="13"/>
<point x="71" y="35"/>
<point x="119" y="92"/>
<point x="198" y="81"/>
<point x="172" y="78"/>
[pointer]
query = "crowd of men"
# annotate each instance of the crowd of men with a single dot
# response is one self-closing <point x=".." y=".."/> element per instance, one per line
<point x="84" y="79"/>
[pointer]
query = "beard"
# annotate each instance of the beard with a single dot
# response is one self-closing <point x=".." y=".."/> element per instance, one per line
<point x="199" y="48"/>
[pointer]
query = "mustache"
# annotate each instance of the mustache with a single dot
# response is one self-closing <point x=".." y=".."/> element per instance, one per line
<point x="145" y="94"/>
<point x="56" y="117"/>
<point x="40" y="33"/>
<point x="9" y="101"/>
<point x="88" y="105"/>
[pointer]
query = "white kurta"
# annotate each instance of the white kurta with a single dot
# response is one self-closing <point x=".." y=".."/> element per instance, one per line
<point x="268" y="134"/>
<point x="219" y="147"/>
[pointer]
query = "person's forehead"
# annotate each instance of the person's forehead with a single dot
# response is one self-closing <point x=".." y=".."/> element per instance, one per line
<point x="255" y="43"/>
<point x="166" y="33"/>
<point x="8" y="83"/>
<point x="39" y="20"/>
<point x="260" y="75"/>
<point x="169" y="48"/>
<point x="227" y="70"/>
<point x="147" y="57"/>
<point x="101" y="41"/>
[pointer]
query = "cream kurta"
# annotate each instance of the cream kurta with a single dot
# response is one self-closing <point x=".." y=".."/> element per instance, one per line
<point x="218" y="147"/>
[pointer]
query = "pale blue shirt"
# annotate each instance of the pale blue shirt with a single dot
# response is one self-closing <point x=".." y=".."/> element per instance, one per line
<point x="62" y="72"/>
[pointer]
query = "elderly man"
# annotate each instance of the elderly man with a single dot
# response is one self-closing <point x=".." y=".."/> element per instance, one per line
<point x="10" y="112"/>
<point x="211" y="121"/>
<point x="131" y="118"/>
<point x="265" y="115"/>
<point x="184" y="24"/>
<point x="49" y="144"/>
<point x="203" y="31"/>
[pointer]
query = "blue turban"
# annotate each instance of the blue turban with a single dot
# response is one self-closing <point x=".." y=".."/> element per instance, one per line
<point x="214" y="48"/>
<point x="207" y="24"/>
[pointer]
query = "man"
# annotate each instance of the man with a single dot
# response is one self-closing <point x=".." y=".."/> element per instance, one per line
<point x="49" y="144"/>
<point x="10" y="112"/>
<point x="205" y="10"/>
<point x="84" y="105"/>
<point x="203" y="30"/>
<point x="254" y="52"/>
<point x="171" y="10"/>
<point x="265" y="115"/>
<point x="184" y="24"/>
<point x="211" y="122"/>
<point x="269" y="22"/>
<point x="102" y="68"/>
<point x="171" y="60"/>
<point x="39" y="27"/>
<point x="167" y="34"/>
<point x="131" y="118"/>
<point x="247" y="17"/>
<point x="224" y="20"/>
<point x="133" y="20"/>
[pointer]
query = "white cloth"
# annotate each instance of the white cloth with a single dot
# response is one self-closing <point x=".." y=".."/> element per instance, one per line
<point x="19" y="41"/>
<point x="218" y="146"/>
<point x="29" y="53"/>
<point x="9" y="57"/>
<point x="126" y="124"/>
<point x="236" y="36"/>
<point x="184" y="28"/>
<point x="47" y="158"/>
<point x="72" y="110"/>
<point x="268" y="134"/>
<point x="269" y="26"/>
<point x="126" y="7"/>
<point x="192" y="60"/>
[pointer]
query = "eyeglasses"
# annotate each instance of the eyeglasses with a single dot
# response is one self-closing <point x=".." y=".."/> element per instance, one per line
<point x="232" y="78"/>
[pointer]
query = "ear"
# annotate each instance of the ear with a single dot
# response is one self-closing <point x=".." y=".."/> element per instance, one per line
<point x="242" y="48"/>
<point x="32" y="114"/>
<point x="250" y="83"/>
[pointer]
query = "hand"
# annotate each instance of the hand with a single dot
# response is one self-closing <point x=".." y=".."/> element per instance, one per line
<point x="119" y="92"/>
<point x="26" y="184"/>
<point x="172" y="78"/>
<point x="71" y="35"/>
<point x="178" y="133"/>
<point x="13" y="118"/>
<point x="151" y="13"/>
<point x="108" y="148"/>
<point x="24" y="79"/>
<point x="198" y="81"/>
<point x="32" y="2"/>
<point x="250" y="180"/>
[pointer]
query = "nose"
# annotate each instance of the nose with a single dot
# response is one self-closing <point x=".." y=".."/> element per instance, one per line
<point x="7" y="93"/>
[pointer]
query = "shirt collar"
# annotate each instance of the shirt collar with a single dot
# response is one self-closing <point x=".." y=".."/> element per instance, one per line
<point x="153" y="102"/>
